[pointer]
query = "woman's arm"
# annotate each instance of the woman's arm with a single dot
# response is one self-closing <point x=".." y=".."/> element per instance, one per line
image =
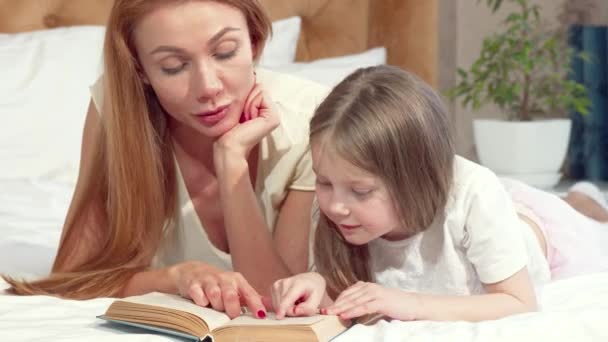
<point x="204" y="284"/>
<point x="83" y="236"/>
<point x="292" y="230"/>
<point x="251" y="245"/>
<point x="156" y="280"/>
<point x="253" y="249"/>
<point x="511" y="296"/>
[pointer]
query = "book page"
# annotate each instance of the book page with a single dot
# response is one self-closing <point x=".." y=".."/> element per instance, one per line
<point x="213" y="318"/>
<point x="271" y="320"/>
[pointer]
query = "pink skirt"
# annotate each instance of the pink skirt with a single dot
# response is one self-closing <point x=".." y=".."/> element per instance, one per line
<point x="576" y="244"/>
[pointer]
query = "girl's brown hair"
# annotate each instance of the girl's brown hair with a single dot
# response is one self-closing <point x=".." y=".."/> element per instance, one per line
<point x="129" y="189"/>
<point x="390" y="123"/>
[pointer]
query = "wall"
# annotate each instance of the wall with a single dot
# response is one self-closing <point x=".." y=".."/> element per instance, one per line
<point x="462" y="26"/>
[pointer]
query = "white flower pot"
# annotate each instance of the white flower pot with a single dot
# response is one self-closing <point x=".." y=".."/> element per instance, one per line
<point x="531" y="151"/>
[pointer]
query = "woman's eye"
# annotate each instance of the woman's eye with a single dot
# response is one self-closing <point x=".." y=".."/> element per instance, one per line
<point x="174" y="70"/>
<point x="225" y="55"/>
<point x="226" y="49"/>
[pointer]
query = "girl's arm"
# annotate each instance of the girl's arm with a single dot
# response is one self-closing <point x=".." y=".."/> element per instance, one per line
<point x="303" y="294"/>
<point x="510" y="296"/>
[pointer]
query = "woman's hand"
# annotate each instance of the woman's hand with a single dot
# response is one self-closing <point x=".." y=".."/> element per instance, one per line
<point x="299" y="295"/>
<point x="369" y="298"/>
<point x="259" y="118"/>
<point x="223" y="290"/>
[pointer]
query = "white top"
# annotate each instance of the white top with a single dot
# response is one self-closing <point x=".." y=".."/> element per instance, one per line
<point x="284" y="164"/>
<point x="478" y="239"/>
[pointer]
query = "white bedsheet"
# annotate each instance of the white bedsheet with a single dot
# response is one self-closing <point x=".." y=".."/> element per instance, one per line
<point x="31" y="218"/>
<point x="573" y="310"/>
<point x="31" y="215"/>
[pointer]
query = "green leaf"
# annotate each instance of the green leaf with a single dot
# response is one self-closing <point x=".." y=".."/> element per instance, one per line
<point x="523" y="48"/>
<point x="462" y="73"/>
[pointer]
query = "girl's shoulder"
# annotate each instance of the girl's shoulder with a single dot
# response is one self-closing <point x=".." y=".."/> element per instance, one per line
<point x="468" y="174"/>
<point x="470" y="182"/>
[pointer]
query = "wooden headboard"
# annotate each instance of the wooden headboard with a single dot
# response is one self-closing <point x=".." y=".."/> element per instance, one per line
<point x="407" y="28"/>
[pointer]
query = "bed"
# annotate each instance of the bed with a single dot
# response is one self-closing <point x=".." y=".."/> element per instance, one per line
<point x="50" y="52"/>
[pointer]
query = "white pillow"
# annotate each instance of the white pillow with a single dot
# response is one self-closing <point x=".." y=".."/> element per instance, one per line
<point x="44" y="87"/>
<point x="281" y="47"/>
<point x="45" y="92"/>
<point x="330" y="71"/>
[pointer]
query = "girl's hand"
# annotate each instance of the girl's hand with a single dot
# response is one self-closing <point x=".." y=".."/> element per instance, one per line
<point x="369" y="298"/>
<point x="259" y="118"/>
<point x="223" y="290"/>
<point x="299" y="295"/>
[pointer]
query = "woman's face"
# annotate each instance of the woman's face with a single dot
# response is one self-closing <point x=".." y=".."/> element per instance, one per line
<point x="198" y="58"/>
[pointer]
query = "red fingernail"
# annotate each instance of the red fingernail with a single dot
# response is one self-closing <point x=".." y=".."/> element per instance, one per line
<point x="261" y="314"/>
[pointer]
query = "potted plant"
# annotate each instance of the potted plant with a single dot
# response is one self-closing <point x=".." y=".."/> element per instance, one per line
<point x="523" y="70"/>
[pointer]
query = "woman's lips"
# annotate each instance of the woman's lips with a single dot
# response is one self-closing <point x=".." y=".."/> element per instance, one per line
<point x="213" y="116"/>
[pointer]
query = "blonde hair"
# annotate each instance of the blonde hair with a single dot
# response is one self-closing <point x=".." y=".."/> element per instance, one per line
<point x="132" y="174"/>
<point x="390" y="123"/>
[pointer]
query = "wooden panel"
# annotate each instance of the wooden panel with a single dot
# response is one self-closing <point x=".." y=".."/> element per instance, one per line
<point x="28" y="15"/>
<point x="407" y="28"/>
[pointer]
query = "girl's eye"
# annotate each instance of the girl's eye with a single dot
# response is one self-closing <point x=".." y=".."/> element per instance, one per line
<point x="361" y="192"/>
<point x="322" y="183"/>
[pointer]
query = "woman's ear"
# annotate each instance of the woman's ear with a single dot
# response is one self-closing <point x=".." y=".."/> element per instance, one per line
<point x="255" y="51"/>
<point x="142" y="75"/>
<point x="144" y="78"/>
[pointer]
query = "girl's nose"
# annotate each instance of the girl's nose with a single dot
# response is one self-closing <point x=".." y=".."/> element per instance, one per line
<point x="339" y="208"/>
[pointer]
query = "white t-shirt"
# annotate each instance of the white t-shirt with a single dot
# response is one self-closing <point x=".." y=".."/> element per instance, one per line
<point x="284" y="164"/>
<point x="478" y="239"/>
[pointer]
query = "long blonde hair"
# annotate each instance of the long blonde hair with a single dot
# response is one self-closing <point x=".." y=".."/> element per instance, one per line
<point x="132" y="174"/>
<point x="390" y="123"/>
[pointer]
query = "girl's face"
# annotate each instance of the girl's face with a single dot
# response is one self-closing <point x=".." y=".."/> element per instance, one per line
<point x="356" y="201"/>
<point x="198" y="58"/>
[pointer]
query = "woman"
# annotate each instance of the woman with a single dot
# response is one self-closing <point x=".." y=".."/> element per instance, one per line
<point x="188" y="169"/>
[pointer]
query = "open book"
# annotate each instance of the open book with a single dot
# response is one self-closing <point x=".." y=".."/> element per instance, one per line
<point x="178" y="316"/>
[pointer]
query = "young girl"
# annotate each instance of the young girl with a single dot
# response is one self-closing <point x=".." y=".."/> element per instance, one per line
<point x="410" y="231"/>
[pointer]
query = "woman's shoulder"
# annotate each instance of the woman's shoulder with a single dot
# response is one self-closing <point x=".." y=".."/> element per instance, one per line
<point x="293" y="93"/>
<point x="97" y="93"/>
<point x="297" y="100"/>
